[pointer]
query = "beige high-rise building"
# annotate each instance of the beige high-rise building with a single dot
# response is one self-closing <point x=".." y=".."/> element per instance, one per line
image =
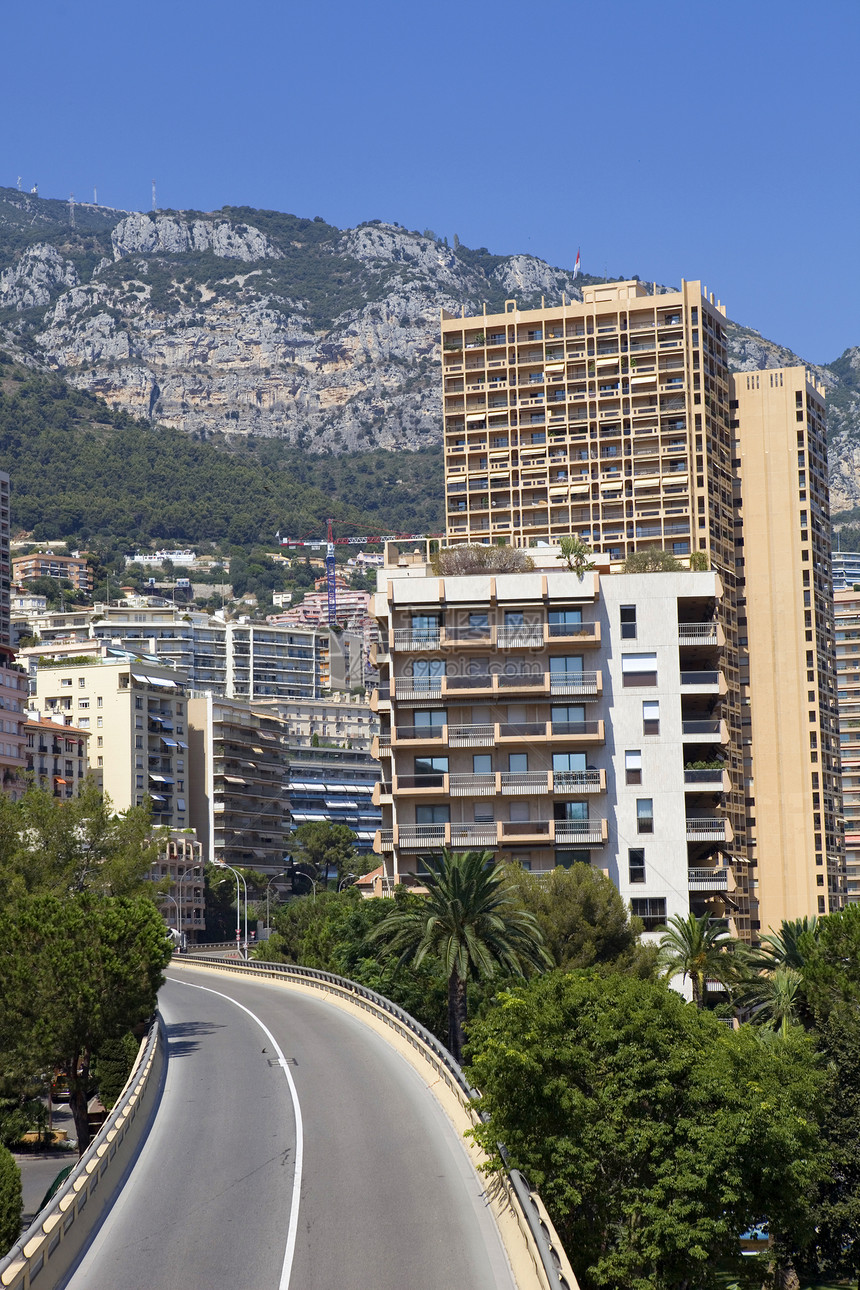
<point x="617" y="419"/>
<point x="788" y="666"/>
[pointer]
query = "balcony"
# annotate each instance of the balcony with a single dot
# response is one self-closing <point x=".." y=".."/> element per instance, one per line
<point x="470" y="736"/>
<point x="708" y="879"/>
<point x="404" y="638"/>
<point x="474" y="785"/>
<point x="581" y="831"/>
<point x="528" y="636"/>
<point x="708" y="829"/>
<point x="578" y="781"/>
<point x="421" y="837"/>
<point x="707" y="731"/>
<point x="707" y="682"/>
<point x="701" y="634"/>
<point x="716" y="779"/>
<point x="518" y="782"/>
<point x="587" y="685"/>
<point x="381" y="746"/>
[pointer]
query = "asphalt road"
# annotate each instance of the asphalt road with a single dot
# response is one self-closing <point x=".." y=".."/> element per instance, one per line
<point x="387" y="1198"/>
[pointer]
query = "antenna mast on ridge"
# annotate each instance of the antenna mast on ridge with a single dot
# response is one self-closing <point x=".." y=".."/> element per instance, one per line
<point x="154" y="207"/>
<point x="71" y="210"/>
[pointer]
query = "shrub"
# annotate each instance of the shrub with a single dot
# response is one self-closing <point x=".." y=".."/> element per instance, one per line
<point x="455" y="560"/>
<point x="11" y="1201"/>
<point x="651" y="559"/>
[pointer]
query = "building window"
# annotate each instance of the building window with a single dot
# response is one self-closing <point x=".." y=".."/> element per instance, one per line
<point x="652" y="911"/>
<point x="82" y="682"/>
<point x="99" y="701"/>
<point x="518" y="762"/>
<point x="636" y="864"/>
<point x="566" y="859"/>
<point x="100" y="741"/>
<point x="432" y="814"/>
<point x="100" y="761"/>
<point x="628" y="622"/>
<point x="651" y="717"/>
<point x="482" y="763"/>
<point x="633" y="765"/>
<point x="83" y="703"/>
<point x="138" y="701"/>
<point x="100" y="722"/>
<point x="638" y="669"/>
<point x="65" y="680"/>
<point x="138" y="741"/>
<point x="644" y="815"/>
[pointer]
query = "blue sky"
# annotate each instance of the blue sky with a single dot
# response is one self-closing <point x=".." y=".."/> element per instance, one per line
<point x="699" y="139"/>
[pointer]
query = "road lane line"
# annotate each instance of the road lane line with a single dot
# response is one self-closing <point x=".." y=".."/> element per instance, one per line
<point x="293" y="1228"/>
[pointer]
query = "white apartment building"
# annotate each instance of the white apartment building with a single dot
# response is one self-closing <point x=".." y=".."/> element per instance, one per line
<point x="238" y="659"/>
<point x="136" y="714"/>
<point x="554" y="719"/>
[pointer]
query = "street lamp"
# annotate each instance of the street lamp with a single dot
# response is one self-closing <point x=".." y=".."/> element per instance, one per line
<point x="219" y="864"/>
<point x="344" y="880"/>
<point x="167" y="896"/>
<point x="268" y="885"/>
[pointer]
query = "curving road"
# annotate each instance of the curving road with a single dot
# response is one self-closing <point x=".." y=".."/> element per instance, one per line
<point x="387" y="1198"/>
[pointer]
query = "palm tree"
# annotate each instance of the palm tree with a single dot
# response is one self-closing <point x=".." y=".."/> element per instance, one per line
<point x="699" y="949"/>
<point x="784" y="948"/>
<point x="775" y="997"/>
<point x="471" y="920"/>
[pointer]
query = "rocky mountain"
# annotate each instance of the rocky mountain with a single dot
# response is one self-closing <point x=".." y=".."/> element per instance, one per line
<point x="244" y="322"/>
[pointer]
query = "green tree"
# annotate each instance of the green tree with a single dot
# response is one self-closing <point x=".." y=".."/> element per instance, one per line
<point x="51" y="846"/>
<point x="654" y="1134"/>
<point x="77" y="971"/>
<point x="112" y="1065"/>
<point x="786" y="948"/>
<point x="322" y="848"/>
<point x="471" y="920"/>
<point x="11" y="1201"/>
<point x="576" y="553"/>
<point x="583" y="919"/>
<point x="700" y="949"/>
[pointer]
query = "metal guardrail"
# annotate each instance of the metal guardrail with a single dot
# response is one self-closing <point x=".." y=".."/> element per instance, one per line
<point x="534" y="1222"/>
<point x="59" y="1232"/>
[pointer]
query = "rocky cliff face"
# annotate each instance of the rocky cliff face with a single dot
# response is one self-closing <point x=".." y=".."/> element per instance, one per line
<point x="252" y="322"/>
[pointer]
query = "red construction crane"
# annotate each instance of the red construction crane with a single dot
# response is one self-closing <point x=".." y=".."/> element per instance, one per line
<point x="331" y="542"/>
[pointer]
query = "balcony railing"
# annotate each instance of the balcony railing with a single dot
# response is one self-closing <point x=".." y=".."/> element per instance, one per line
<point x="708" y="879"/>
<point x="474" y="736"/>
<point x="706" y="830"/>
<point x="471" y="736"/>
<point x="420" y="837"/>
<point x="526" y="637"/>
<point x="578" y="781"/>
<point x="700" y="678"/>
<point x="712" y="777"/>
<point x="407" y="639"/>
<point x="698" y="633"/>
<point x="714" y="728"/>
<point x="504" y="783"/>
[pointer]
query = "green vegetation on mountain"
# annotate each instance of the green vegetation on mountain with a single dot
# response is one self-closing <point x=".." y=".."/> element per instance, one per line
<point x="81" y="470"/>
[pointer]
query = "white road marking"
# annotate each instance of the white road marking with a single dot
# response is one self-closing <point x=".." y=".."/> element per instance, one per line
<point x="293" y="1228"/>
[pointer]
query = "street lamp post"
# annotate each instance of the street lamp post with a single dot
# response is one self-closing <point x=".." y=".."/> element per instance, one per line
<point x="219" y="864"/>
<point x="345" y="880"/>
<point x="268" y="885"/>
<point x="167" y="896"/>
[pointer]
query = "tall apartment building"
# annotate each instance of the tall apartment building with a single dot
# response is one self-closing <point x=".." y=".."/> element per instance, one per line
<point x="555" y="719"/>
<point x="786" y="646"/>
<point x="13" y="684"/>
<point x="136" y="714"/>
<point x="847" y="632"/>
<point x="617" y="419"/>
<point x="240" y="794"/>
